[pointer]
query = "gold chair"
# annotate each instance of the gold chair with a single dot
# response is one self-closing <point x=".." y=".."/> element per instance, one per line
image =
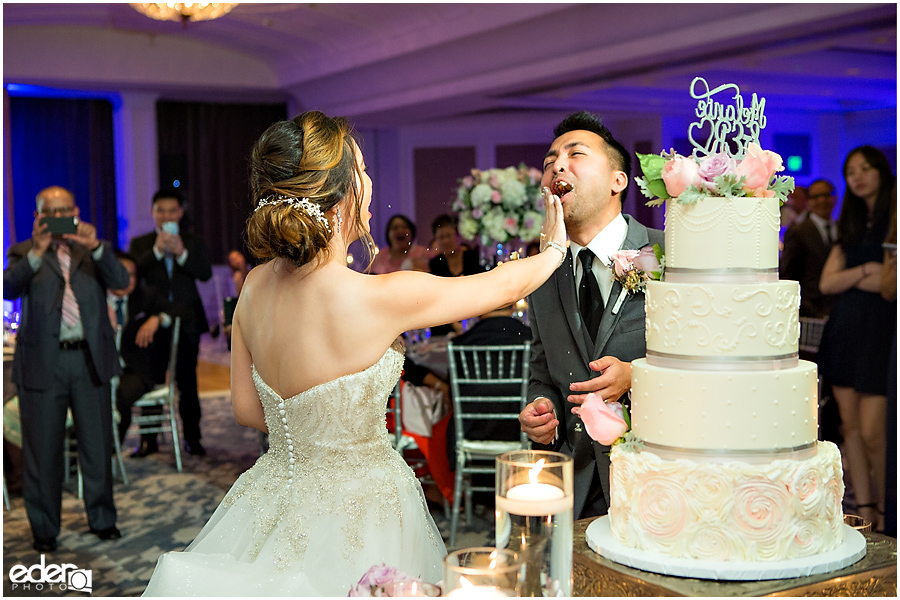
<point x="488" y="383"/>
<point x="163" y="397"/>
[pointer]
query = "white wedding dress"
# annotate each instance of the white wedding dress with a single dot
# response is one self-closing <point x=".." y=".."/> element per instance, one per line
<point x="329" y="500"/>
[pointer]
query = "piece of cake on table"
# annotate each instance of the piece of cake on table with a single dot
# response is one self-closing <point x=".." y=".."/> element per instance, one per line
<point x="722" y="467"/>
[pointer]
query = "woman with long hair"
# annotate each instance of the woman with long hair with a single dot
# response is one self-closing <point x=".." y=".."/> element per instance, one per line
<point x="402" y="253"/>
<point x="856" y="345"/>
<point x="314" y="355"/>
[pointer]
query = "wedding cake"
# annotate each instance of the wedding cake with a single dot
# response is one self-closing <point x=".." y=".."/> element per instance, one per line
<point x="722" y="463"/>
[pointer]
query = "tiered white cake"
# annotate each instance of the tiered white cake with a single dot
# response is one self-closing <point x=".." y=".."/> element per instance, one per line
<point x="731" y="469"/>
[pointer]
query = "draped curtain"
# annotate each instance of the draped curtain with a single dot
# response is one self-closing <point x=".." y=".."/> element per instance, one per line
<point x="66" y="142"/>
<point x="205" y="147"/>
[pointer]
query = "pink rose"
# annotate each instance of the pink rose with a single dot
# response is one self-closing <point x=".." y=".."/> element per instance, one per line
<point x="605" y="422"/>
<point x="758" y="166"/>
<point x="679" y="174"/>
<point x="622" y="261"/>
<point x="496" y="198"/>
<point x="713" y="166"/>
<point x="468" y="182"/>
<point x="380" y="575"/>
<point x="646" y="260"/>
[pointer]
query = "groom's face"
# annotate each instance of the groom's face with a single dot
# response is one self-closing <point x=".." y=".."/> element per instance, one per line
<point x="580" y="158"/>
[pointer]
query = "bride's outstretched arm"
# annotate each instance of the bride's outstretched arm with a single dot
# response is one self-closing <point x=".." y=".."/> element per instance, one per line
<point x="245" y="400"/>
<point x="413" y="300"/>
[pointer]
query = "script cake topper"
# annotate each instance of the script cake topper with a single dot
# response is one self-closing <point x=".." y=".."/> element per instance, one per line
<point x="731" y="122"/>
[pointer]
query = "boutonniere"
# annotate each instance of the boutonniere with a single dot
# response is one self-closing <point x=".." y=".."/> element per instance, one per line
<point x="634" y="268"/>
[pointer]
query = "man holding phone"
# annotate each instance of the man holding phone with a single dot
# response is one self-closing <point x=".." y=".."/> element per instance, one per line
<point x="171" y="261"/>
<point x="65" y="357"/>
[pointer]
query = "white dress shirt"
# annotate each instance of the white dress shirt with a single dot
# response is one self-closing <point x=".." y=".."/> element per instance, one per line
<point x="606" y="243"/>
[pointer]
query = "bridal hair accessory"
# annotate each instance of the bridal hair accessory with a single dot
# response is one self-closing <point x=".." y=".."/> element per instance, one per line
<point x="299" y="203"/>
<point x="339" y="217"/>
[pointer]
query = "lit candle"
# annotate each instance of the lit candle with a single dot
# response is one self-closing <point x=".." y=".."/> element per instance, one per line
<point x="480" y="591"/>
<point x="534" y="499"/>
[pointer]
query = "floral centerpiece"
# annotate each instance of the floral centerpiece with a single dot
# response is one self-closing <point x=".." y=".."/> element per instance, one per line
<point x="499" y="205"/>
<point x="688" y="179"/>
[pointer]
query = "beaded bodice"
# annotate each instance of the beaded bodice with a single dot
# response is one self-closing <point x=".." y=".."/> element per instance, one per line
<point x="344" y="415"/>
<point x="329" y="454"/>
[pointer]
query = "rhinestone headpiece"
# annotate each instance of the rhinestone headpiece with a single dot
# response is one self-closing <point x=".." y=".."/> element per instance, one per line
<point x="299" y="203"/>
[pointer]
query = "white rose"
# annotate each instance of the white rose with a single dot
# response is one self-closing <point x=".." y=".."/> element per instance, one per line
<point x="481" y="194"/>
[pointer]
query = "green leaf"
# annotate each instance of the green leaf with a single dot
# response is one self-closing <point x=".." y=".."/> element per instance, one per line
<point x="692" y="195"/>
<point x="782" y="186"/>
<point x="626" y="416"/>
<point x="730" y="185"/>
<point x="651" y="165"/>
<point x="658" y="252"/>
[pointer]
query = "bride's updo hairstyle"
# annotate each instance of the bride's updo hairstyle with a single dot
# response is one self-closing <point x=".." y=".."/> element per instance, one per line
<point x="312" y="156"/>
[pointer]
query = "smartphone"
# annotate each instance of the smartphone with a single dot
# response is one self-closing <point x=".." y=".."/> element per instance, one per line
<point x="61" y="224"/>
<point x="170" y="227"/>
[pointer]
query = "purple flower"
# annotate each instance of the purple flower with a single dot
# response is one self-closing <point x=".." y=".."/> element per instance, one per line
<point x="713" y="166"/>
<point x="646" y="260"/>
<point x="380" y="575"/>
<point x="477" y="213"/>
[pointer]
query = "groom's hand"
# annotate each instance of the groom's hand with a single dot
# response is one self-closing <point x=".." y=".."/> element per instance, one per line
<point x="613" y="382"/>
<point x="539" y="421"/>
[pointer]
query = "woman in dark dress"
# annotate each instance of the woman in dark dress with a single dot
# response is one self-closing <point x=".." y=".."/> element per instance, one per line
<point x="856" y="344"/>
<point x="453" y="260"/>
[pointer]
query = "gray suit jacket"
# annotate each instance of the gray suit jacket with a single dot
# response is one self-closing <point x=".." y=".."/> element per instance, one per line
<point x="561" y="351"/>
<point x="37" y="343"/>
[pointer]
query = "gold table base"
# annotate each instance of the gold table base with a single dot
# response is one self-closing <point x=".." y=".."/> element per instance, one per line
<point x="874" y="575"/>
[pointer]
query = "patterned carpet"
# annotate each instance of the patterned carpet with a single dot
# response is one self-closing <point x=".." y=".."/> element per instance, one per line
<point x="162" y="510"/>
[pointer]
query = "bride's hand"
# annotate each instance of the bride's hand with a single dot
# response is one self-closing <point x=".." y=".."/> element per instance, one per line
<point x="554" y="228"/>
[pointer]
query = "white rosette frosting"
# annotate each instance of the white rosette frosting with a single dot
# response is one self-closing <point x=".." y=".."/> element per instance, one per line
<point x="732" y="511"/>
<point x="715" y="541"/>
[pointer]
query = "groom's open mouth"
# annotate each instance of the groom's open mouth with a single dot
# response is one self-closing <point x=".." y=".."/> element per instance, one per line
<point x="560" y="188"/>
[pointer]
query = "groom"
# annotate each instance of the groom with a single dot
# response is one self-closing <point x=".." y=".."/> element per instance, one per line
<point x="584" y="337"/>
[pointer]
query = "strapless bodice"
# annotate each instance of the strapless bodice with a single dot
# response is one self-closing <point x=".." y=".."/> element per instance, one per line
<point x="345" y="415"/>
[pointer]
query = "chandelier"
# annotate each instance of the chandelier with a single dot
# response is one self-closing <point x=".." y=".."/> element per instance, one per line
<point x="183" y="11"/>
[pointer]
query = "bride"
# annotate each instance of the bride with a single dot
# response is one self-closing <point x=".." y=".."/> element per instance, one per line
<point x="314" y="358"/>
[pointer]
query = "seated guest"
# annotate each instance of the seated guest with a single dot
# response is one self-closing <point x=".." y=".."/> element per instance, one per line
<point x="141" y="312"/>
<point x="453" y="260"/>
<point x="495" y="328"/>
<point x="401" y="253"/>
<point x="806" y="246"/>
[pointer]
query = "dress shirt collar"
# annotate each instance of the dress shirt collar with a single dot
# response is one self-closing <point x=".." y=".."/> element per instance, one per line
<point x="604" y="244"/>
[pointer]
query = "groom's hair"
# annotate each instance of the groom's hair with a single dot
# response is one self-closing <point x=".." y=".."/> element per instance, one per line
<point x="616" y="152"/>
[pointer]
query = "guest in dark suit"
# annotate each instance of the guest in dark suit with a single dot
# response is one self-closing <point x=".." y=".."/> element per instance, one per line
<point x="806" y="247"/>
<point x="142" y="313"/>
<point x="65" y="357"/>
<point x="495" y="328"/>
<point x="171" y="262"/>
<point x="581" y="344"/>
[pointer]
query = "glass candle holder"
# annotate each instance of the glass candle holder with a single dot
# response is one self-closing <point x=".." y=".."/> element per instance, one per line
<point x="482" y="573"/>
<point x="534" y="517"/>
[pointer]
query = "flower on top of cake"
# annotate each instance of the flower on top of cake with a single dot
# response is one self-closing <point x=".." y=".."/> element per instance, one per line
<point x="607" y="422"/>
<point x="689" y="179"/>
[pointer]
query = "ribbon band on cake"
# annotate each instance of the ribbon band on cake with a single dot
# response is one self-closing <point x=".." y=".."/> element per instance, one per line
<point x="722" y="363"/>
<point x="729" y="275"/>
<point x="720" y="455"/>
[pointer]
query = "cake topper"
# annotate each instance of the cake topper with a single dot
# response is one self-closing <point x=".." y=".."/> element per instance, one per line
<point x="730" y="163"/>
<point x="726" y="122"/>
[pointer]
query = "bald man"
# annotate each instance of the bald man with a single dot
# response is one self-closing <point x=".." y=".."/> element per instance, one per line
<point x="65" y="357"/>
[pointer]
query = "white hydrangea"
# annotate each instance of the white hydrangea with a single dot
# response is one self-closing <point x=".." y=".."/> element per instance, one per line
<point x="494" y="225"/>
<point x="531" y="225"/>
<point x="513" y="192"/>
<point x="468" y="227"/>
<point x="481" y="194"/>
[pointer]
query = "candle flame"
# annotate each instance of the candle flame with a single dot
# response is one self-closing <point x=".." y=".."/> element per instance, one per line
<point x="533" y="473"/>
